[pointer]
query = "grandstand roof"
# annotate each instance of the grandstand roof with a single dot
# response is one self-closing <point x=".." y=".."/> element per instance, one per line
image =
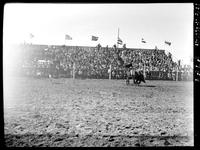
<point x="85" y="47"/>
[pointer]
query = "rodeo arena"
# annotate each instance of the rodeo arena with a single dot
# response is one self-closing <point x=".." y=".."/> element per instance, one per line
<point x="77" y="96"/>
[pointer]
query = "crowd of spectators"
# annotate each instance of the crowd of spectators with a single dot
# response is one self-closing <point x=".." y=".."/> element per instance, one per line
<point x="94" y="62"/>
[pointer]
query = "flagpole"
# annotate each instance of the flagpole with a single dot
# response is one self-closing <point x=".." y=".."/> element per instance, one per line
<point x="31" y="37"/>
<point x="110" y="72"/>
<point x="117" y="37"/>
<point x="65" y="42"/>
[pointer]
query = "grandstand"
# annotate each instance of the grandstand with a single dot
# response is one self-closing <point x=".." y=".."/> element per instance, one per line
<point x="94" y="62"/>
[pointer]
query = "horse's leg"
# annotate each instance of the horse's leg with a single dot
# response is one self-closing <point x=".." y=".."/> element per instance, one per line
<point x="135" y="80"/>
<point x="127" y="79"/>
<point x="133" y="76"/>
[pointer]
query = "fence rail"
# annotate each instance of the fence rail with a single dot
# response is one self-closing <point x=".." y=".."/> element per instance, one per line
<point x="151" y="75"/>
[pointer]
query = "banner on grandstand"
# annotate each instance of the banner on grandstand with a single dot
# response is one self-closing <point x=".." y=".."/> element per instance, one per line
<point x="68" y="37"/>
<point x="119" y="41"/>
<point x="168" y="43"/>
<point x="143" y="41"/>
<point x="94" y="38"/>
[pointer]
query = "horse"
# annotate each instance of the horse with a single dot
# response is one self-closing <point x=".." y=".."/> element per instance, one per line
<point x="137" y="76"/>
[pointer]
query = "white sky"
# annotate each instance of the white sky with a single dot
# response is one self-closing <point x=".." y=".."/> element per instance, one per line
<point x="154" y="22"/>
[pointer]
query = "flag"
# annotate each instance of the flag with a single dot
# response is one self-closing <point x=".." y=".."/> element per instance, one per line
<point x="31" y="35"/>
<point x="143" y="41"/>
<point x="119" y="41"/>
<point x="168" y="43"/>
<point x="94" y="38"/>
<point x="67" y="37"/>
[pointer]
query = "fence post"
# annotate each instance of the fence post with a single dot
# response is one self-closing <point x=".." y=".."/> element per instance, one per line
<point x="74" y="70"/>
<point x="144" y="69"/>
<point x="177" y="73"/>
<point x="110" y="72"/>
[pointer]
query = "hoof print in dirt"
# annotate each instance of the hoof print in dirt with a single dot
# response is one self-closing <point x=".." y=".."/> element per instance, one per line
<point x="167" y="143"/>
<point x="58" y="139"/>
<point x="137" y="144"/>
<point x="111" y="139"/>
<point x="163" y="133"/>
<point x="151" y="140"/>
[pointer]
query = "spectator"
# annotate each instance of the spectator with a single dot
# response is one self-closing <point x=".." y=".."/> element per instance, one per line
<point x="95" y="61"/>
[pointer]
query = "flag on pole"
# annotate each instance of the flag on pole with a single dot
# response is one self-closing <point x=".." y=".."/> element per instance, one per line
<point x="168" y="43"/>
<point x="68" y="37"/>
<point x="143" y="41"/>
<point x="119" y="41"/>
<point x="94" y="38"/>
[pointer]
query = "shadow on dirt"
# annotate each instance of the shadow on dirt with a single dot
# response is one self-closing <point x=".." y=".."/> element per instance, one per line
<point x="57" y="82"/>
<point x="142" y="85"/>
<point x="147" y="85"/>
<point x="66" y="140"/>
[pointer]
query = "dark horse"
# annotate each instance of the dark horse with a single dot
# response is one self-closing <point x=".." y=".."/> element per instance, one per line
<point x="137" y="76"/>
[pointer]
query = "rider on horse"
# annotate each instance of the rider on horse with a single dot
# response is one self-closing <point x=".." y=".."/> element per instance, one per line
<point x="132" y="69"/>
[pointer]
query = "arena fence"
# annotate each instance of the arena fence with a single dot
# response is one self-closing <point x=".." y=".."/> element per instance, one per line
<point x="56" y="73"/>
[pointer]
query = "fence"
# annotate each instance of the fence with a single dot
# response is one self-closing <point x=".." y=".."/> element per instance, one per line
<point x="120" y="74"/>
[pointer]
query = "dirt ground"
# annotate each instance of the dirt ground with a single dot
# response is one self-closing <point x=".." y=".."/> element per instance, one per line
<point x="67" y="112"/>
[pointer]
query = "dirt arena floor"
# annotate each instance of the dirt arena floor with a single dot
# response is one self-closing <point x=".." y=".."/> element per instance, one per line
<point x="90" y="112"/>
